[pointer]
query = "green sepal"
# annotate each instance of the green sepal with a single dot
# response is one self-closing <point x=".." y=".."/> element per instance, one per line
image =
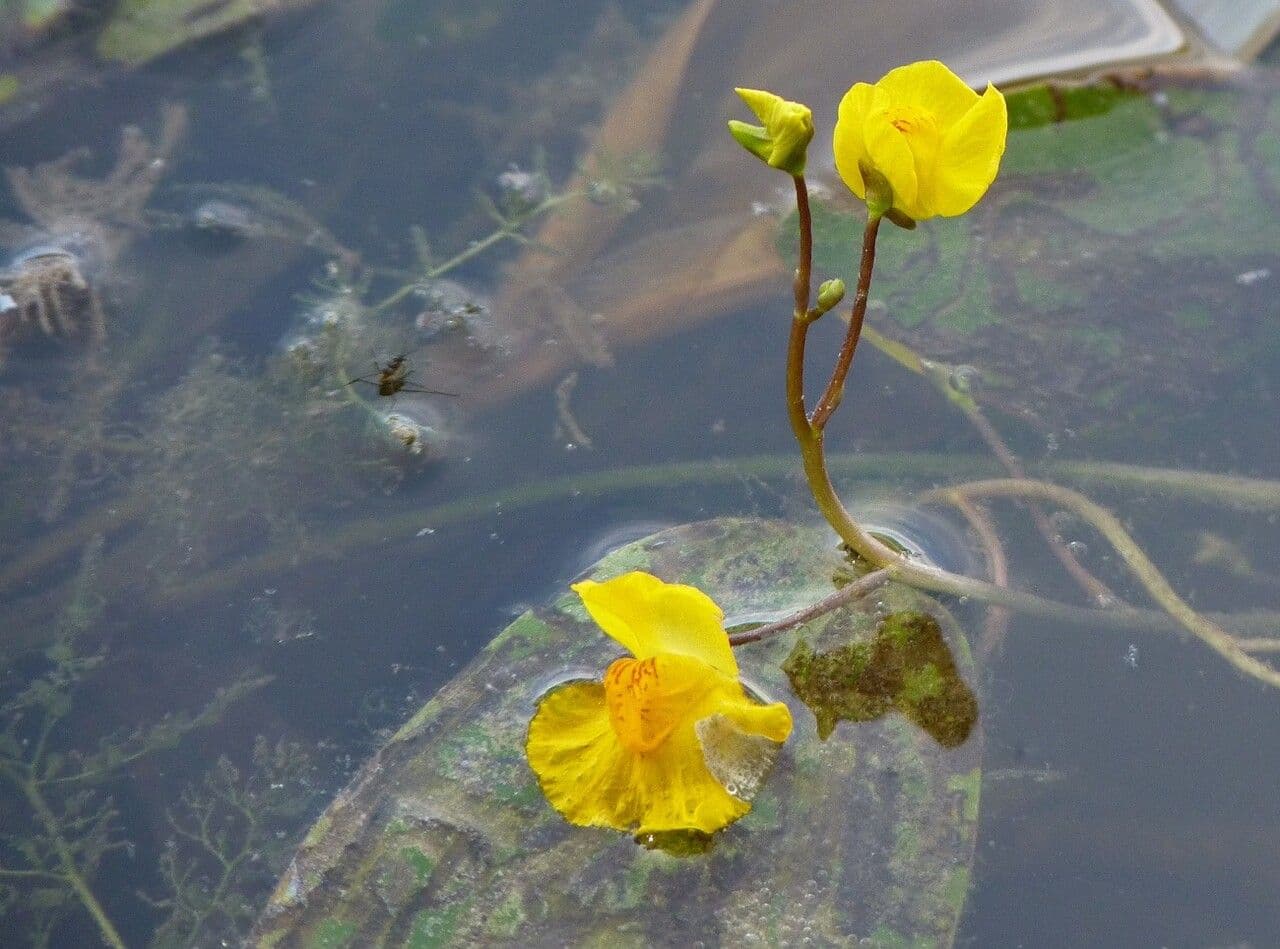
<point x="753" y="138"/>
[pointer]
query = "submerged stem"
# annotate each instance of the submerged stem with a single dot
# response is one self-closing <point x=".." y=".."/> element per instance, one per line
<point x="996" y="625"/>
<point x="70" y="873"/>
<point x="1094" y="588"/>
<point x="900" y="352"/>
<point x="509" y="230"/>
<point x="1147" y="573"/>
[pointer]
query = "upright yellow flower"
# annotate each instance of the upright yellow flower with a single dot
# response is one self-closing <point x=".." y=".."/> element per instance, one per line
<point x="640" y="751"/>
<point x="933" y="140"/>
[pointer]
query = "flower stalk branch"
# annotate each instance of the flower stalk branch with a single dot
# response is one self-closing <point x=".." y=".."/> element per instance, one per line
<point x="834" y="392"/>
<point x="864" y="585"/>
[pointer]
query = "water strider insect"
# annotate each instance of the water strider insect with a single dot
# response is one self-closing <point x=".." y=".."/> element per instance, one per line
<point x="393" y="378"/>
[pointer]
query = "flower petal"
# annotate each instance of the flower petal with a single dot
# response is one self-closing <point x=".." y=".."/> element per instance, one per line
<point x="582" y="767"/>
<point x="768" y="721"/>
<point x="648" y="617"/>
<point x="970" y="154"/>
<point x="740" y="749"/>
<point x="649" y="698"/>
<point x="934" y="140"/>
<point x="848" y="139"/>
<point x="891" y="155"/>
<point x="592" y="779"/>
<point x="930" y="86"/>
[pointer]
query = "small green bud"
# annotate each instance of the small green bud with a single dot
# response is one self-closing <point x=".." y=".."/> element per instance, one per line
<point x="830" y="293"/>
<point x="783" y="140"/>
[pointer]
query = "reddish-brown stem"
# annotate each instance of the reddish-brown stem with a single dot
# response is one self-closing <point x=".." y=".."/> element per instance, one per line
<point x="835" y="388"/>
<point x="842" y="597"/>
<point x="800" y="318"/>
<point x="804" y="265"/>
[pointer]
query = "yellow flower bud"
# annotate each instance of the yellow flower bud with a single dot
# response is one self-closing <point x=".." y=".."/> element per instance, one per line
<point x="784" y="138"/>
<point x="921" y="141"/>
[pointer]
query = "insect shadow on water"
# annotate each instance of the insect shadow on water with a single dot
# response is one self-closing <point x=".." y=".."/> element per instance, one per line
<point x="393" y="377"/>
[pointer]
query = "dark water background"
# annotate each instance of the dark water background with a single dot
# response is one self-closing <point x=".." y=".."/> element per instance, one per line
<point x="1130" y="797"/>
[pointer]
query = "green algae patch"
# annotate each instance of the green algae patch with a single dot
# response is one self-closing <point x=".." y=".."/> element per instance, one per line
<point x="444" y="837"/>
<point x="423" y="866"/>
<point x="969" y="785"/>
<point x="906" y="666"/>
<point x="956" y="890"/>
<point x="333" y="934"/>
<point x="317" y="831"/>
<point x="1042" y="105"/>
<point x="433" y="929"/>
<point x="508" y="918"/>
<point x="528" y="635"/>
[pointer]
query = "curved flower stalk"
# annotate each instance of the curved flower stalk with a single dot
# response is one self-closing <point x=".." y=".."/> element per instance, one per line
<point x="645" y="749"/>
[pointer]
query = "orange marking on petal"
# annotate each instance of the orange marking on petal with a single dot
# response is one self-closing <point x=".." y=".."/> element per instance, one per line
<point x="638" y="710"/>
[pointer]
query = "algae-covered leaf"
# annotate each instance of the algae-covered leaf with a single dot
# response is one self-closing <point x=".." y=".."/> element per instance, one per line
<point x="1045" y="104"/>
<point x="906" y="667"/>
<point x="445" y="839"/>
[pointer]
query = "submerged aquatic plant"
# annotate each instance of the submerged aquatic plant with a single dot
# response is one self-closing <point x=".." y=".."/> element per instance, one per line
<point x="79" y="227"/>
<point x="232" y="835"/>
<point x="69" y="824"/>
<point x="661" y="743"/>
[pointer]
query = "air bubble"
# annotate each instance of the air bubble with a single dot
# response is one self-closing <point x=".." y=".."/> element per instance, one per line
<point x="965" y="378"/>
<point x="1131" y="656"/>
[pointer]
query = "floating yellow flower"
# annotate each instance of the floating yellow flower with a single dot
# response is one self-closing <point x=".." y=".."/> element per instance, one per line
<point x="934" y="141"/>
<point x="642" y="750"/>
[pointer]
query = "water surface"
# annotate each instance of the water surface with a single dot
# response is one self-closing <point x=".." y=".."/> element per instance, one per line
<point x="243" y="518"/>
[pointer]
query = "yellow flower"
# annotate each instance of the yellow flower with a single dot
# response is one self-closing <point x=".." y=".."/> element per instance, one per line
<point x="640" y="751"/>
<point x="934" y="141"/>
<point x="783" y="140"/>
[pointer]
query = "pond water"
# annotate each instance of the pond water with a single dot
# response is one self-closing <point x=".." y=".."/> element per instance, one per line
<point x="202" y="510"/>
